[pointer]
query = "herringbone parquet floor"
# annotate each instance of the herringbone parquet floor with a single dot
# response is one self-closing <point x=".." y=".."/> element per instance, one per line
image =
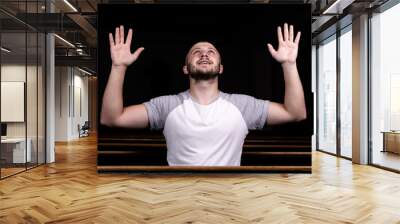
<point x="71" y="191"/>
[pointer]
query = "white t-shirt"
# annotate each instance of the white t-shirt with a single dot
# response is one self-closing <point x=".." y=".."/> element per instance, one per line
<point x="206" y="135"/>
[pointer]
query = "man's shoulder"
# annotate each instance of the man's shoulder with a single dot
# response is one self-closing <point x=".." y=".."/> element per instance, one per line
<point x="169" y="101"/>
<point x="253" y="110"/>
<point x="183" y="95"/>
<point x="242" y="101"/>
<point x="235" y="97"/>
<point x="172" y="97"/>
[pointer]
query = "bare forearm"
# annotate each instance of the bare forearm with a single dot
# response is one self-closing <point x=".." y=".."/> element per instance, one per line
<point x="112" y="100"/>
<point x="294" y="94"/>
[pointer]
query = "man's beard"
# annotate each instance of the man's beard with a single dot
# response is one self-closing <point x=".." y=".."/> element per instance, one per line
<point x="198" y="74"/>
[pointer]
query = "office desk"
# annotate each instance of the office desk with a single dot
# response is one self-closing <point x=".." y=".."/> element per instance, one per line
<point x="16" y="147"/>
<point x="391" y="141"/>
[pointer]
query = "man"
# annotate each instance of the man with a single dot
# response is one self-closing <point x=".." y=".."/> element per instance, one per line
<point x="203" y="126"/>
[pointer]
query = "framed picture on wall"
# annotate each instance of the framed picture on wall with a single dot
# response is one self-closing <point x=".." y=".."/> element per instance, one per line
<point x="12" y="101"/>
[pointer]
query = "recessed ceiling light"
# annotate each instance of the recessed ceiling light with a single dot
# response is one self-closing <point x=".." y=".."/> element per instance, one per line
<point x="5" y="50"/>
<point x="337" y="7"/>
<point x="64" y="40"/>
<point x="84" y="71"/>
<point x="70" y="5"/>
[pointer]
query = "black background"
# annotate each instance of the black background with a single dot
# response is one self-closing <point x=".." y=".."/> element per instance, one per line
<point x="239" y="31"/>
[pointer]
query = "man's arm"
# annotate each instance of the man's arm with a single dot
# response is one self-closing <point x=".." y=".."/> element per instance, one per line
<point x="113" y="112"/>
<point x="294" y="108"/>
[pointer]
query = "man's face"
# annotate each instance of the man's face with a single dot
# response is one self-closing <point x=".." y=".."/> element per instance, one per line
<point x="203" y="62"/>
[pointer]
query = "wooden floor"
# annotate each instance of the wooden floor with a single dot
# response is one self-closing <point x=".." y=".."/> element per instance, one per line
<point x="5" y="172"/>
<point x="10" y="171"/>
<point x="71" y="191"/>
<point x="387" y="159"/>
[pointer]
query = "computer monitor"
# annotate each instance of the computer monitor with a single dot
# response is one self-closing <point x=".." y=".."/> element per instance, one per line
<point x="3" y="129"/>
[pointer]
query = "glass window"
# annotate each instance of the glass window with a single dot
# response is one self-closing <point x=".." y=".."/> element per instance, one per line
<point x="314" y="79"/>
<point x="346" y="94"/>
<point x="15" y="150"/>
<point x="327" y="96"/>
<point x="22" y="91"/>
<point x="385" y="88"/>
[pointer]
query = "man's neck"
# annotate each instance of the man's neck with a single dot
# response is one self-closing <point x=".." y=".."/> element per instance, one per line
<point x="204" y="91"/>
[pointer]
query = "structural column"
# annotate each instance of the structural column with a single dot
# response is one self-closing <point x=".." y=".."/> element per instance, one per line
<point x="360" y="90"/>
<point x="50" y="92"/>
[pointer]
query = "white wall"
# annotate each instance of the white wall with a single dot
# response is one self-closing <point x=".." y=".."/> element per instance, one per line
<point x="33" y="126"/>
<point x="61" y="103"/>
<point x="80" y="101"/>
<point x="71" y="102"/>
<point x="15" y="72"/>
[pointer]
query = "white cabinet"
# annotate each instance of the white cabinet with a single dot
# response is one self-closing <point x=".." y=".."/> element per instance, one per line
<point x="18" y="149"/>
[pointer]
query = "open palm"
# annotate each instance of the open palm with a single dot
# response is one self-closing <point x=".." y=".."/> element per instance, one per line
<point x="121" y="49"/>
<point x="288" y="48"/>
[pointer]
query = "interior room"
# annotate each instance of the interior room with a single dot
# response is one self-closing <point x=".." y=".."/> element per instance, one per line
<point x="58" y="166"/>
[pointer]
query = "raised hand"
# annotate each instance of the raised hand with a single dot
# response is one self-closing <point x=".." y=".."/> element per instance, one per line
<point x="121" y="50"/>
<point x="288" y="48"/>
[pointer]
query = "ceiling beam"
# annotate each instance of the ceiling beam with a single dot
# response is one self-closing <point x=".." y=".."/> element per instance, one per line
<point x="83" y="61"/>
